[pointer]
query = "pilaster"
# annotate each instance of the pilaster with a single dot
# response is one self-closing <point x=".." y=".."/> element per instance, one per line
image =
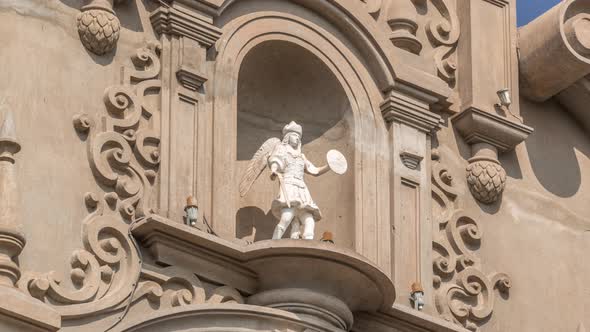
<point x="411" y="123"/>
<point x="186" y="32"/>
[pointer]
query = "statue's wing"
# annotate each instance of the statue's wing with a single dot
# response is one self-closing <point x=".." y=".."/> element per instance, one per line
<point x="257" y="164"/>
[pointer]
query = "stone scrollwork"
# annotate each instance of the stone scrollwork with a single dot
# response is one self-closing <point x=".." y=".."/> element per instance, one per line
<point x="444" y="34"/>
<point x="373" y="6"/>
<point x="123" y="155"/>
<point x="98" y="26"/>
<point x="172" y="287"/>
<point x="463" y="293"/>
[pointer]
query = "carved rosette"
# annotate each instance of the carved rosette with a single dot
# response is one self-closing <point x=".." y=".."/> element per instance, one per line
<point x="486" y="179"/>
<point x="123" y="155"/>
<point x="464" y="294"/>
<point x="98" y="27"/>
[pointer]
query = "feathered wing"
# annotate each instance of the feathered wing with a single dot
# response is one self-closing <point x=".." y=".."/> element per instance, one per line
<point x="257" y="164"/>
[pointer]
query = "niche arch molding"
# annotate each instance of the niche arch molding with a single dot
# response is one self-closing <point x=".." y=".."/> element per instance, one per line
<point x="371" y="195"/>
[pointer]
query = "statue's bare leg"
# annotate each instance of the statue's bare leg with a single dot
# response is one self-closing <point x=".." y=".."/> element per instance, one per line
<point x="287" y="215"/>
<point x="308" y="225"/>
<point x="296" y="229"/>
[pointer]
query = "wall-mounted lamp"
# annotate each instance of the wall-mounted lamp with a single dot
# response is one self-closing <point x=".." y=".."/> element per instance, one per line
<point x="505" y="99"/>
<point x="192" y="211"/>
<point x="417" y="296"/>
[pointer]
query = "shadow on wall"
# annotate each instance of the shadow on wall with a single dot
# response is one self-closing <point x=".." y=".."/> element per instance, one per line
<point x="552" y="146"/>
<point x="255" y="224"/>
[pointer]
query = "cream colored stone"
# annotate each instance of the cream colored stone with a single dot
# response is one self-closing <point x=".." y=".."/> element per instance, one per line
<point x="447" y="187"/>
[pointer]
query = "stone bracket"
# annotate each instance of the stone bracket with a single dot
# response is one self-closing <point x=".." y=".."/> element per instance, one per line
<point x="488" y="134"/>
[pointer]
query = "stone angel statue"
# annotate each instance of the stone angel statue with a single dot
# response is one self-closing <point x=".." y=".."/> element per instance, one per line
<point x="288" y="164"/>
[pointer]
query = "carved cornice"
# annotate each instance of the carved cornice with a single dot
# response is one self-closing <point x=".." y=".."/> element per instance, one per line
<point x="464" y="294"/>
<point x="478" y="126"/>
<point x="179" y="20"/>
<point x="402" y="107"/>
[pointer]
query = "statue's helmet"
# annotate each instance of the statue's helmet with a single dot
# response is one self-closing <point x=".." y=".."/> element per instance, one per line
<point x="293" y="127"/>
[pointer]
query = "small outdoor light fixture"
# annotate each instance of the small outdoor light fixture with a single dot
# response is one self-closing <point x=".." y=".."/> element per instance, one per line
<point x="504" y="96"/>
<point x="327" y="237"/>
<point x="417" y="296"/>
<point x="192" y="211"/>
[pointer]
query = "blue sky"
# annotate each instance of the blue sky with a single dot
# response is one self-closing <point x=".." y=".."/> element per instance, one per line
<point x="528" y="10"/>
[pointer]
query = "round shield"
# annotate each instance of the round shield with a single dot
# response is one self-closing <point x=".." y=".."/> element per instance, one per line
<point x="336" y="161"/>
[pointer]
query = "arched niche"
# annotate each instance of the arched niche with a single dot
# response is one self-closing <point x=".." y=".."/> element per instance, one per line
<point x="369" y="164"/>
<point x="278" y="82"/>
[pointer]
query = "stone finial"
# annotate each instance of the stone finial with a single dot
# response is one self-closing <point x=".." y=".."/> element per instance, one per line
<point x="12" y="240"/>
<point x="98" y="26"/>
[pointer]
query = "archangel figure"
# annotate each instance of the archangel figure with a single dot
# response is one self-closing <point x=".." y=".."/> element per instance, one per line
<point x="288" y="164"/>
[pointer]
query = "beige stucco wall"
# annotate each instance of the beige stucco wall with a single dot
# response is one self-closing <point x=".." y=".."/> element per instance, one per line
<point x="47" y="79"/>
<point x="539" y="233"/>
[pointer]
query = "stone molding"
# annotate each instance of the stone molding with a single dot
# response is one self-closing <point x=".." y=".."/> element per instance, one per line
<point x="488" y="134"/>
<point x="402" y="19"/>
<point x="176" y="19"/>
<point x="98" y="26"/>
<point x="463" y="292"/>
<point x="414" y="112"/>
<point x="320" y="291"/>
<point x="562" y="33"/>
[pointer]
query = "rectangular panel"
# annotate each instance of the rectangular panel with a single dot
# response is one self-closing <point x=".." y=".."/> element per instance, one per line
<point x="408" y="235"/>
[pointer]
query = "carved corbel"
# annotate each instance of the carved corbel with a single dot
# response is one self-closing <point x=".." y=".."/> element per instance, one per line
<point x="488" y="134"/>
<point x="98" y="26"/>
<point x="402" y="19"/>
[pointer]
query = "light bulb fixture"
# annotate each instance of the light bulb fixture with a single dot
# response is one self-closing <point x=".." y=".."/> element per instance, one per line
<point x="504" y="95"/>
<point x="417" y="296"/>
<point x="192" y="211"/>
<point x="327" y="237"/>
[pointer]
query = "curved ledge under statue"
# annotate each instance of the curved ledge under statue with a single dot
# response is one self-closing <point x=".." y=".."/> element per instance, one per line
<point x="288" y="164"/>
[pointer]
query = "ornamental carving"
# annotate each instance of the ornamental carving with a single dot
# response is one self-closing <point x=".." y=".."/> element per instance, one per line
<point x="123" y="154"/>
<point x="443" y="34"/>
<point x="464" y="294"/>
<point x="98" y="27"/>
<point x="172" y="287"/>
<point x="486" y="180"/>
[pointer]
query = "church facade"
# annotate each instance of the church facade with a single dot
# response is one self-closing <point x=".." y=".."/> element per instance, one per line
<point x="147" y="154"/>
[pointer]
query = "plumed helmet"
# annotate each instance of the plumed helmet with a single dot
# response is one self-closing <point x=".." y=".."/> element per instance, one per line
<point x="293" y="127"/>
